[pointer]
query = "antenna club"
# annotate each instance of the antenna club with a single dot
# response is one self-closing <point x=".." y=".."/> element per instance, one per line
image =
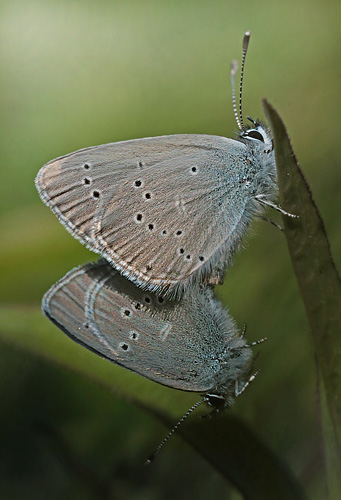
<point x="246" y="40"/>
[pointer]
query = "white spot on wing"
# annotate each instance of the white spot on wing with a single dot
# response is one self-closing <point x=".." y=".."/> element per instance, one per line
<point x="165" y="331"/>
<point x="180" y="204"/>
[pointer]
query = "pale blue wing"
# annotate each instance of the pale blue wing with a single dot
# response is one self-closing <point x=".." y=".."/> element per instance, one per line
<point x="165" y="211"/>
<point x="191" y="345"/>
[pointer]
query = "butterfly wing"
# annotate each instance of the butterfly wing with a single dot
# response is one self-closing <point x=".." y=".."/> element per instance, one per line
<point x="69" y="185"/>
<point x="164" y="211"/>
<point x="175" y="344"/>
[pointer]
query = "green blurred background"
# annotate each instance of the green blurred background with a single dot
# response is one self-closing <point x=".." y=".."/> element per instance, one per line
<point x="77" y="74"/>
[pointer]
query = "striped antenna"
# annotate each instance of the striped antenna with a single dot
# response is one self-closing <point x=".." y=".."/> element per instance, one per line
<point x="246" y="40"/>
<point x="171" y="432"/>
<point x="234" y="68"/>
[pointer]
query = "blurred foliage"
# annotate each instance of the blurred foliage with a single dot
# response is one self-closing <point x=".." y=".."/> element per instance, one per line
<point x="76" y="74"/>
<point x="320" y="287"/>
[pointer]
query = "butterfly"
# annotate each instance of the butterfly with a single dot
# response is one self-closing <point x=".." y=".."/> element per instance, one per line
<point x="192" y="344"/>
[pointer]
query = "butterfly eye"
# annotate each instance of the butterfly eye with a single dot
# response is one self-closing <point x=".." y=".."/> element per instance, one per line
<point x="254" y="134"/>
<point x="215" y="400"/>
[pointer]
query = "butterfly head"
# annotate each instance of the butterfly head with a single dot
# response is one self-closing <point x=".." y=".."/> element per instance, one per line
<point x="258" y="134"/>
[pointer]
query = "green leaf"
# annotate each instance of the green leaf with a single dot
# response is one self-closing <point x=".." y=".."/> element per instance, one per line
<point x="320" y="288"/>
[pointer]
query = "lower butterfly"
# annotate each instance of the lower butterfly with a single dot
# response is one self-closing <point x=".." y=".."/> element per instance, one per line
<point x="192" y="344"/>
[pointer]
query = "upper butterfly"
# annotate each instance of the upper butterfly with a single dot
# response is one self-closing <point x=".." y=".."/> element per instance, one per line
<point x="165" y="211"/>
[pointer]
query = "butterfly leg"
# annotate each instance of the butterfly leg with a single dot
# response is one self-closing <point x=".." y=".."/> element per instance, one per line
<point x="214" y="280"/>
